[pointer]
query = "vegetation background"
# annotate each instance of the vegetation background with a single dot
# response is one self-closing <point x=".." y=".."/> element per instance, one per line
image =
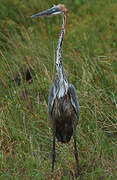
<point x="90" y="58"/>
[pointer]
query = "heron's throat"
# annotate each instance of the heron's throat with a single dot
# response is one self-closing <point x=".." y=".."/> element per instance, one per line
<point x="62" y="81"/>
<point x="59" y="68"/>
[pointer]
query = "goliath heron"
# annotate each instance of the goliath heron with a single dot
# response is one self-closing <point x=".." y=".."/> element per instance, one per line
<point x="63" y="105"/>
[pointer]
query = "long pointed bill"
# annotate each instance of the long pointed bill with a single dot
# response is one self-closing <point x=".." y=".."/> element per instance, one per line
<point x="53" y="11"/>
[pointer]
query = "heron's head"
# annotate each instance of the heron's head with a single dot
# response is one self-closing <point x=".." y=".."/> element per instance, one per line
<point x="55" y="10"/>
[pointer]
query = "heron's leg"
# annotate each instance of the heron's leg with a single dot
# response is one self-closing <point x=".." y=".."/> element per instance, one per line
<point x="75" y="150"/>
<point x="53" y="151"/>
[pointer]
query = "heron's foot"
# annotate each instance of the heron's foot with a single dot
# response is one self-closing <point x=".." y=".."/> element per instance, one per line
<point x="78" y="173"/>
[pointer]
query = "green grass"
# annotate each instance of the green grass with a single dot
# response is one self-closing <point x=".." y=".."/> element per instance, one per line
<point x="90" y="58"/>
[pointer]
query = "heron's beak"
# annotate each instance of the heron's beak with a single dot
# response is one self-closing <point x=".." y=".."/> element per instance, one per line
<point x="53" y="11"/>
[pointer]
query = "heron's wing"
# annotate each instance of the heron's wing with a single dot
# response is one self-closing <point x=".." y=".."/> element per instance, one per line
<point x="74" y="99"/>
<point x="51" y="99"/>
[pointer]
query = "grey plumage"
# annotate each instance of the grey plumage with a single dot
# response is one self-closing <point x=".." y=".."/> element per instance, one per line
<point x="64" y="112"/>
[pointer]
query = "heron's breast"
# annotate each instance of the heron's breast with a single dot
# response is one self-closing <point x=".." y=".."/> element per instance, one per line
<point x="62" y="108"/>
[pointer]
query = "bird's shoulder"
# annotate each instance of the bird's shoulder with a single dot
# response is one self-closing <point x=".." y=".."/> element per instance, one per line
<point x="51" y="99"/>
<point x="74" y="99"/>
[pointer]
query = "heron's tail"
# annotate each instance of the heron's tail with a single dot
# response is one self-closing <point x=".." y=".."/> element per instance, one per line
<point x="64" y="137"/>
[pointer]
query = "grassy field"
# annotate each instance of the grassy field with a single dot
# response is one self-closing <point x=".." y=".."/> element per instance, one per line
<point x="90" y="58"/>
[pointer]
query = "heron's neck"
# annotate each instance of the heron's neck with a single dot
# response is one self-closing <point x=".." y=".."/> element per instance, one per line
<point x="59" y="67"/>
<point x="61" y="78"/>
